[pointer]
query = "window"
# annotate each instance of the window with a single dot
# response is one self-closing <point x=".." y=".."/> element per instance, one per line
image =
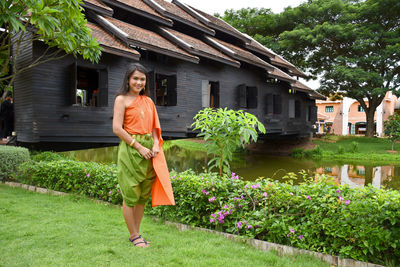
<point x="328" y="109"/>
<point x="89" y="86"/>
<point x="165" y="90"/>
<point x="247" y="96"/>
<point x="312" y="113"/>
<point x="360" y="108"/>
<point x="210" y="94"/>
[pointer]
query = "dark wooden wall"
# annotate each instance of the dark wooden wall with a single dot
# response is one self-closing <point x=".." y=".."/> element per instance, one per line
<point x="44" y="112"/>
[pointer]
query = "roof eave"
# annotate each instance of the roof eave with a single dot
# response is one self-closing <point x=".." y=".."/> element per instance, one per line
<point x="164" y="21"/>
<point x="98" y="9"/>
<point x="166" y="52"/>
<point x="118" y="52"/>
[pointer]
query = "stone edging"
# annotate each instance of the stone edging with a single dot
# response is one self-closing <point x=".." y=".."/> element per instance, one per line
<point x="259" y="244"/>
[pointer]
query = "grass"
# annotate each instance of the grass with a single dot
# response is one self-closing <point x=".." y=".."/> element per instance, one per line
<point x="47" y="230"/>
<point x="369" y="150"/>
<point x="190" y="144"/>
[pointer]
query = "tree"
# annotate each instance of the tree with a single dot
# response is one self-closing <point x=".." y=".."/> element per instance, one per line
<point x="392" y="128"/>
<point x="353" y="45"/>
<point x="60" y="24"/>
<point x="224" y="130"/>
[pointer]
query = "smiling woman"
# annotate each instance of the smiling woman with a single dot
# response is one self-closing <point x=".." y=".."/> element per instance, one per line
<point x="141" y="163"/>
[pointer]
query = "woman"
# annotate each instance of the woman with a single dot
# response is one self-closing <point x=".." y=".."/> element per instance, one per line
<point x="141" y="167"/>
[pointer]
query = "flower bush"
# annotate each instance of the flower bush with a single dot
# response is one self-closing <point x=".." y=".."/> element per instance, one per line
<point x="87" y="178"/>
<point x="361" y="223"/>
<point x="318" y="215"/>
<point x="10" y="158"/>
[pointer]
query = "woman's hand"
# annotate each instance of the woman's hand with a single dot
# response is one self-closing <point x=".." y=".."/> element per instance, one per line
<point x="155" y="150"/>
<point x="145" y="152"/>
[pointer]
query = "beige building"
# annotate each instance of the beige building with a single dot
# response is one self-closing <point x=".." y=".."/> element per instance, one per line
<point x="346" y="116"/>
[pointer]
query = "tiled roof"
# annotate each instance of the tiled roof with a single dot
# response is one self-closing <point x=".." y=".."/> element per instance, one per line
<point x="98" y="6"/>
<point x="141" y="8"/>
<point x="304" y="88"/>
<point x="280" y="75"/>
<point x="277" y="60"/>
<point x="238" y="53"/>
<point x="173" y="11"/>
<point x="111" y="44"/>
<point x="148" y="40"/>
<point x="198" y="47"/>
<point x="218" y="24"/>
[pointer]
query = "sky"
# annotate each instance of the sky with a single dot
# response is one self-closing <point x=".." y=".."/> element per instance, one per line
<point x="219" y="6"/>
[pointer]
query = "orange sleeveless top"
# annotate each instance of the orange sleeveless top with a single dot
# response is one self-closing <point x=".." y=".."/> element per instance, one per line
<point x="141" y="118"/>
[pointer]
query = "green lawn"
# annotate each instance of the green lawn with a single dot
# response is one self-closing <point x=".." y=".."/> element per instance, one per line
<point x="47" y="230"/>
<point x="365" y="145"/>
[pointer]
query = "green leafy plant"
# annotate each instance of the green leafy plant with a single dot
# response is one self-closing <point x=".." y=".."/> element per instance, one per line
<point x="354" y="147"/>
<point x="392" y="128"/>
<point x="340" y="150"/>
<point x="10" y="158"/>
<point x="225" y="130"/>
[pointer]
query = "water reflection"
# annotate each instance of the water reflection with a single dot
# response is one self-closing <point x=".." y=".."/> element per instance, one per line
<point x="250" y="166"/>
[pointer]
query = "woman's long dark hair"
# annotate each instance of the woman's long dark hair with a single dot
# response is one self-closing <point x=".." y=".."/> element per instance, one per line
<point x="129" y="71"/>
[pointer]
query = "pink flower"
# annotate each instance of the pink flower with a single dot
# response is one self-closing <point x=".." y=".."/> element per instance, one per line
<point x="300" y="236"/>
<point x="213" y="215"/>
<point x="225" y="206"/>
<point x="340" y="198"/>
<point x="291" y="230"/>
<point x="179" y="178"/>
<point x="246" y="186"/>
<point x="254" y="186"/>
<point x="288" y="235"/>
<point x="265" y="194"/>
<point x="70" y="174"/>
<point x="239" y="225"/>
<point x="347" y="202"/>
<point x="110" y="192"/>
<point x="249" y="226"/>
<point x="211" y="199"/>
<point x="212" y="220"/>
<point x="88" y="175"/>
<point x="338" y="191"/>
<point x="173" y="177"/>
<point x="308" y="197"/>
<point x="291" y="193"/>
<point x="205" y="192"/>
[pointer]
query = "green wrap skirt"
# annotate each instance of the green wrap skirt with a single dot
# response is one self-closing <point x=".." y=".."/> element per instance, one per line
<point x="135" y="173"/>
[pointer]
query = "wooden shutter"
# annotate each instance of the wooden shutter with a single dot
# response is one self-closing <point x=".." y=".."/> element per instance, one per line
<point x="269" y="104"/>
<point x="74" y="83"/>
<point x="297" y="109"/>
<point x="277" y="104"/>
<point x="205" y="94"/>
<point x="252" y="96"/>
<point x="171" y="91"/>
<point x="215" y="92"/>
<point x="242" y="96"/>
<point x="103" y="87"/>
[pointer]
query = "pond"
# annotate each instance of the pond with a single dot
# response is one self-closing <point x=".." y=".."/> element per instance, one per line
<point x="251" y="166"/>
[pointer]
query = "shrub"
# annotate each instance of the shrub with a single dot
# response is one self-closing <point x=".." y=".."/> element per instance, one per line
<point x="88" y="178"/>
<point x="340" y="150"/>
<point x="10" y="158"/>
<point x="298" y="153"/>
<point x="48" y="156"/>
<point x="361" y="223"/>
<point x="354" y="147"/>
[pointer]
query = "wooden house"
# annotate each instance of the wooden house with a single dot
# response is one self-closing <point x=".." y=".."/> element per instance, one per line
<point x="196" y="60"/>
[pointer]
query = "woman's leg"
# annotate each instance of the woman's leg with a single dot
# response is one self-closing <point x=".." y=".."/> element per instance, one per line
<point x="132" y="220"/>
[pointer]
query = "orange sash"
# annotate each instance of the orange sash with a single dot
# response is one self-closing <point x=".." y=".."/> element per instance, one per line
<point x="141" y="118"/>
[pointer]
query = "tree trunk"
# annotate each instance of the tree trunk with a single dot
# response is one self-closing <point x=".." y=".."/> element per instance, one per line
<point x="370" y="121"/>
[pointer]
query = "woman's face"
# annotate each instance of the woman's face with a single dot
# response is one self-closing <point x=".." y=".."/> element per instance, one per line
<point x="136" y="82"/>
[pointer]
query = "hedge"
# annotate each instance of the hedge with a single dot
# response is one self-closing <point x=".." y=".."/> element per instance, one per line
<point x="10" y="158"/>
<point x="318" y="215"/>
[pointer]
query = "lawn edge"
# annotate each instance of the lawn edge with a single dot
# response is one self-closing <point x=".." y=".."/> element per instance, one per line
<point x="256" y="243"/>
